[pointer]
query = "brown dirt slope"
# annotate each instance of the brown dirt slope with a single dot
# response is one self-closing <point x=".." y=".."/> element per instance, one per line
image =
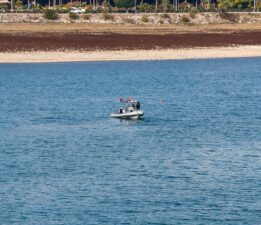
<point x="42" y="41"/>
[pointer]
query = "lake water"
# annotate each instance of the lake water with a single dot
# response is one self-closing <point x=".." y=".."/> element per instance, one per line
<point x="195" y="158"/>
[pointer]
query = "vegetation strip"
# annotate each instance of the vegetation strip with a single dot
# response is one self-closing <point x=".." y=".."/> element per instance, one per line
<point x="116" y="6"/>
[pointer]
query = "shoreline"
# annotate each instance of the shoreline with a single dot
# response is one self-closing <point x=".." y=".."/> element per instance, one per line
<point x="131" y="55"/>
<point x="101" y="28"/>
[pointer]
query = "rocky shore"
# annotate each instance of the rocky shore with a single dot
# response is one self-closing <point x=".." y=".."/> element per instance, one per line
<point x="148" y="18"/>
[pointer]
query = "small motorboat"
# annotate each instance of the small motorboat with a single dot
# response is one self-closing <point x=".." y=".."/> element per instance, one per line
<point x="132" y="110"/>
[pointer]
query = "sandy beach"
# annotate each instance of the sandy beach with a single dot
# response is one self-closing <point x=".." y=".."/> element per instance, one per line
<point x="166" y="54"/>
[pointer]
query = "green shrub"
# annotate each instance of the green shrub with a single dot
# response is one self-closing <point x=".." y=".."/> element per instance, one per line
<point x="145" y="7"/>
<point x="228" y="16"/>
<point x="107" y="16"/>
<point x="145" y="19"/>
<point x="19" y="5"/>
<point x="165" y="5"/>
<point x="73" y="16"/>
<point x="165" y="16"/>
<point x="185" y="19"/>
<point x="124" y="3"/>
<point x="50" y="14"/>
<point x="99" y="9"/>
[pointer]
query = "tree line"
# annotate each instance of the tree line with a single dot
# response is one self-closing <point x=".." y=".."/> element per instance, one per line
<point x="148" y="6"/>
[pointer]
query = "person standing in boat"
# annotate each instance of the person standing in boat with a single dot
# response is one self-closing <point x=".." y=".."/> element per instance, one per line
<point x="138" y="105"/>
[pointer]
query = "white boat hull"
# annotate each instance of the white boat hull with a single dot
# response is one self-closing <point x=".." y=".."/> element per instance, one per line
<point x="128" y="115"/>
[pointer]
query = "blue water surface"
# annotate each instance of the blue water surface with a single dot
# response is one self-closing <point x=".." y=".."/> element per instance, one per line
<point x="195" y="158"/>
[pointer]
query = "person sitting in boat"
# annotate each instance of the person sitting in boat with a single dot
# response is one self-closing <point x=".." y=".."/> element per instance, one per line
<point x="120" y="110"/>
